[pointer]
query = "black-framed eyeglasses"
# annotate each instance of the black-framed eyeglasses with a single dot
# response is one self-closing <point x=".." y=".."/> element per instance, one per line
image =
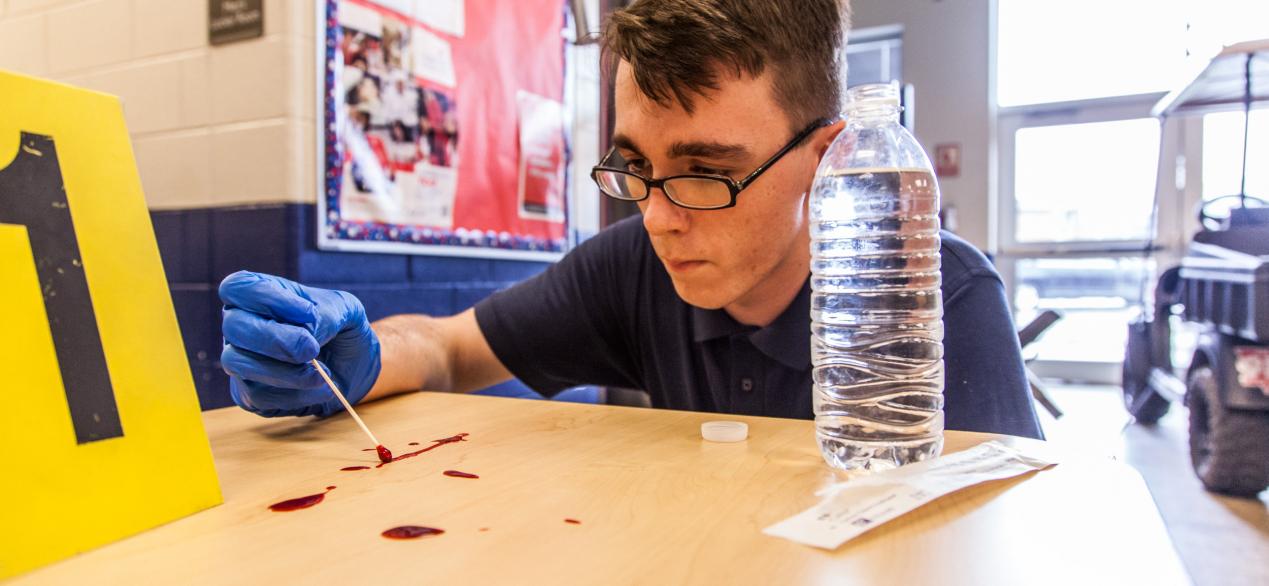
<point x="692" y="191"/>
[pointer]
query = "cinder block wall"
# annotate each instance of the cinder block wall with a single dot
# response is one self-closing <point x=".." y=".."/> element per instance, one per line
<point x="224" y="142"/>
<point x="211" y="126"/>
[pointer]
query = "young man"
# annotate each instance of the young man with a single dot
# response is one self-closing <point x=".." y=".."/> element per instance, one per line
<point x="703" y="300"/>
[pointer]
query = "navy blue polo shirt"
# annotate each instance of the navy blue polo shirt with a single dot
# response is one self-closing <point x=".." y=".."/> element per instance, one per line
<point x="607" y="314"/>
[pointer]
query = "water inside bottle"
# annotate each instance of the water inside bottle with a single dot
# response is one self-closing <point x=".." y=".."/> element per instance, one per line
<point x="876" y="312"/>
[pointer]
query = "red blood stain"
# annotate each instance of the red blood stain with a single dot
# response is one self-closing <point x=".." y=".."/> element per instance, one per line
<point x="484" y="528"/>
<point x="572" y="521"/>
<point x="351" y="468"/>
<point x="303" y="502"/>
<point x="385" y="456"/>
<point x="411" y="532"/>
<point x="457" y="474"/>
<point x="435" y="444"/>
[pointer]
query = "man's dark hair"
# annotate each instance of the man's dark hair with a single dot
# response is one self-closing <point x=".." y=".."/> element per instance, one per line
<point x="677" y="48"/>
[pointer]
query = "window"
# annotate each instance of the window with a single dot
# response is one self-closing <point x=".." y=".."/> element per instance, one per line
<point x="1223" y="155"/>
<point x="1081" y="49"/>
<point x="1085" y="49"/>
<point x="1216" y="23"/>
<point x="1096" y="296"/>
<point x="874" y="55"/>
<point x="1085" y="182"/>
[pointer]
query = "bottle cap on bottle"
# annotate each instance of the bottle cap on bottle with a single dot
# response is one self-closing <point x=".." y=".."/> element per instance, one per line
<point x="725" y="431"/>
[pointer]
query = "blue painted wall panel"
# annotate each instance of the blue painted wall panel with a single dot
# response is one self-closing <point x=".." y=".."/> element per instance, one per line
<point x="200" y="247"/>
<point x="257" y="238"/>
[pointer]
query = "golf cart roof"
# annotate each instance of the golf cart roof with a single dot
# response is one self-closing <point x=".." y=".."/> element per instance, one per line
<point x="1222" y="84"/>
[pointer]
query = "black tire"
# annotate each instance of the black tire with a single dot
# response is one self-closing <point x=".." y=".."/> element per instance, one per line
<point x="1227" y="447"/>
<point x="1145" y="405"/>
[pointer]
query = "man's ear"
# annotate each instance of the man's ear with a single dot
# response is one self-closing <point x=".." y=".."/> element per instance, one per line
<point x="824" y="137"/>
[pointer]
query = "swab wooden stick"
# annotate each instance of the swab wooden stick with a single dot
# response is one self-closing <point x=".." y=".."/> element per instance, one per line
<point x="385" y="456"/>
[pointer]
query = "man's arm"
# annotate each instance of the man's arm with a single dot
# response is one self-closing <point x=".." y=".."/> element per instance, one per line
<point x="431" y="353"/>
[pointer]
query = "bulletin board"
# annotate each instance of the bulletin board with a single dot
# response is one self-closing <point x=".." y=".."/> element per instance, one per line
<point x="443" y="128"/>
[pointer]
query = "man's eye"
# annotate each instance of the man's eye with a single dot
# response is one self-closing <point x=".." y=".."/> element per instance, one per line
<point x="637" y="166"/>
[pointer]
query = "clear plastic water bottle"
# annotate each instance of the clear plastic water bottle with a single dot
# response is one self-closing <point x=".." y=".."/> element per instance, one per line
<point x="876" y="308"/>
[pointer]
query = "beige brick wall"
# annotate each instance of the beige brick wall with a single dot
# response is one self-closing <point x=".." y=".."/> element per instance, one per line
<point x="211" y="126"/>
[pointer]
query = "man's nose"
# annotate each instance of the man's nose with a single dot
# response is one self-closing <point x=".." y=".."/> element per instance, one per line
<point x="662" y="216"/>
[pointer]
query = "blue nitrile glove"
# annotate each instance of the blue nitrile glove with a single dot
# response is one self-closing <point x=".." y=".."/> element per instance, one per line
<point x="273" y="327"/>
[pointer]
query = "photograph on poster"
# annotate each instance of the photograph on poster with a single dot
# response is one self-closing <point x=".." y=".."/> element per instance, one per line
<point x="542" y="151"/>
<point x="399" y="138"/>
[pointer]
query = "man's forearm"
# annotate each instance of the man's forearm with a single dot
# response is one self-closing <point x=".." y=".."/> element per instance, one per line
<point x="412" y="355"/>
<point x="436" y="354"/>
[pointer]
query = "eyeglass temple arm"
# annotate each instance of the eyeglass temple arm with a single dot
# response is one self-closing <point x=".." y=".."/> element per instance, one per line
<point x="797" y="140"/>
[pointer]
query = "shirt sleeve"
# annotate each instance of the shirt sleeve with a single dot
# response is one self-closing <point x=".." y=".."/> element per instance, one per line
<point x="566" y="326"/>
<point x="986" y="386"/>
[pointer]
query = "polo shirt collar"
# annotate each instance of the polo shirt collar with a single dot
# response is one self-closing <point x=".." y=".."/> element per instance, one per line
<point x="787" y="339"/>
<point x="709" y="324"/>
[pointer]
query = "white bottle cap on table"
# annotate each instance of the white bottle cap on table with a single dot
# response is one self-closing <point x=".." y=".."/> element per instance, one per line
<point x="725" y="431"/>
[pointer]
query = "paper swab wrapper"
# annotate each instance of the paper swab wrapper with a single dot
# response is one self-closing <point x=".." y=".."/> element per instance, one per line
<point x="851" y="508"/>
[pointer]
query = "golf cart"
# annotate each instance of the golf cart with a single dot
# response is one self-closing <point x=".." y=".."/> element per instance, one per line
<point x="1223" y="285"/>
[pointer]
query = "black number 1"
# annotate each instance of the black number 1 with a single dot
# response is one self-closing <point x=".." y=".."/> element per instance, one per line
<point x="32" y="194"/>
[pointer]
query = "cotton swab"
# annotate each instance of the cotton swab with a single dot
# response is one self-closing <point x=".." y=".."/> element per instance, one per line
<point x="385" y="456"/>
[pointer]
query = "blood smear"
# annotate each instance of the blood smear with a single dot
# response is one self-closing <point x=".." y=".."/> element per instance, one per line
<point x="298" y="503"/>
<point x="435" y="444"/>
<point x="411" y="532"/>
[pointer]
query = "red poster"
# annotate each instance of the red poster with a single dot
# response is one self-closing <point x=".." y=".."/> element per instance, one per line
<point x="444" y="129"/>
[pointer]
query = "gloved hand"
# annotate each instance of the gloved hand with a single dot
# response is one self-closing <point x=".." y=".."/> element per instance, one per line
<point x="273" y="327"/>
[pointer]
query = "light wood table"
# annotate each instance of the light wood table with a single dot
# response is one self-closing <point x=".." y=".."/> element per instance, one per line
<point x="657" y="505"/>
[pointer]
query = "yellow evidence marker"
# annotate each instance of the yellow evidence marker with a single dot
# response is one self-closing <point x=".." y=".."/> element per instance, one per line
<point x="100" y="431"/>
